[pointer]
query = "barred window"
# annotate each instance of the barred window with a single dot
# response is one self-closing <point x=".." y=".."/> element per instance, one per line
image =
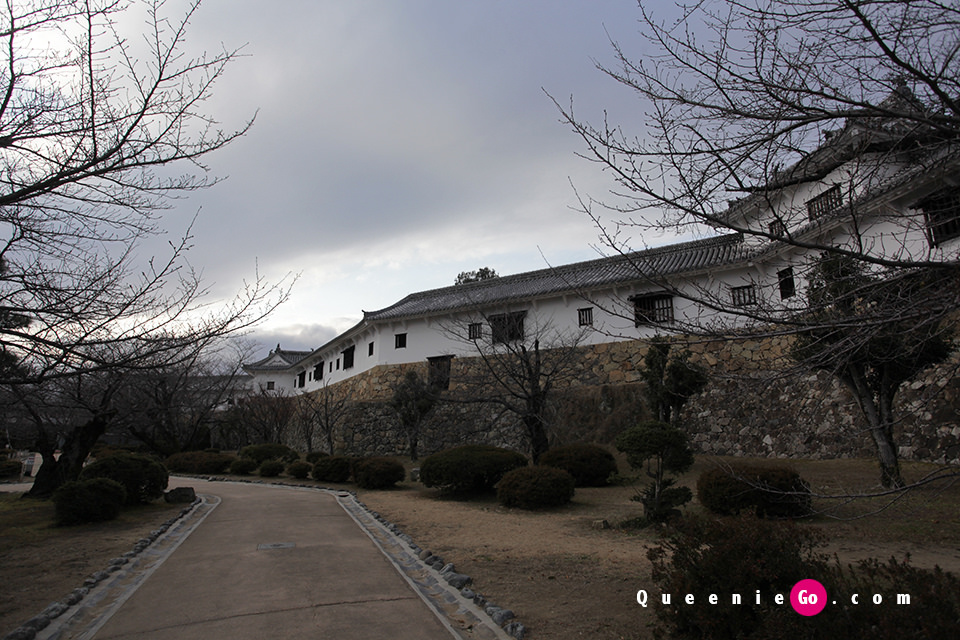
<point x="653" y="309"/>
<point x="743" y="296"/>
<point x="777" y="229"/>
<point x="507" y="327"/>
<point x="942" y="214"/>
<point x="585" y="317"/>
<point x="474" y="331"/>
<point x="827" y="202"/>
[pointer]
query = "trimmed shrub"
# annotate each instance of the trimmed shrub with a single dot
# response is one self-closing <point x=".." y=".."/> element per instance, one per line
<point x="299" y="469"/>
<point x="332" y="469"/>
<point x="143" y="478"/>
<point x="243" y="466"/>
<point x="269" y="451"/>
<point x="470" y="468"/>
<point x="535" y="487"/>
<point x="198" y="462"/>
<point x="378" y="473"/>
<point x="314" y="456"/>
<point x="271" y="468"/>
<point x="772" y="491"/>
<point x="10" y="468"/>
<point x="589" y="464"/>
<point x="660" y="448"/>
<point x="93" y="500"/>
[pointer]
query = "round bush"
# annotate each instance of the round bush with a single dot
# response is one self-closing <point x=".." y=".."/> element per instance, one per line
<point x="198" y="462"/>
<point x="299" y="469"/>
<point x="535" y="488"/>
<point x="269" y="451"/>
<point x="332" y="469"/>
<point x="143" y="478"/>
<point x="772" y="491"/>
<point x="589" y="464"/>
<point x="271" y="468"/>
<point x="470" y="468"/>
<point x="243" y="466"/>
<point x="93" y="500"/>
<point x="378" y="473"/>
<point x="314" y="456"/>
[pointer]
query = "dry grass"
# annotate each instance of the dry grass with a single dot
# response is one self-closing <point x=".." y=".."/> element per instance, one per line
<point x="563" y="575"/>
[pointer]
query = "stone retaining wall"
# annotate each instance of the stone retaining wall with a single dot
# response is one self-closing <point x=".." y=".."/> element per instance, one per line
<point x="750" y="407"/>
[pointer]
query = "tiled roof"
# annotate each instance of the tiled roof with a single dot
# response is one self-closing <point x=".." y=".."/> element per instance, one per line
<point x="573" y="278"/>
<point x="278" y="360"/>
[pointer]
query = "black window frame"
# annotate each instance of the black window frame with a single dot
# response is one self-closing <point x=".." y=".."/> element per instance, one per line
<point x="585" y="317"/>
<point x="787" y="283"/>
<point x="743" y="295"/>
<point x="475" y="331"/>
<point x="652" y="309"/>
<point x="941" y="215"/>
<point x="507" y="327"/>
<point x="399" y="341"/>
<point x="349" y="357"/>
<point x="825" y="203"/>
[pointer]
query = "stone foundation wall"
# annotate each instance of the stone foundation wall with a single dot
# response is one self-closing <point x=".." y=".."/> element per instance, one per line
<point x="751" y="407"/>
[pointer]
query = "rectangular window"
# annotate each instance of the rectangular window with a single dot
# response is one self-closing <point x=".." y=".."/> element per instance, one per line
<point x="788" y="288"/>
<point x="743" y="296"/>
<point x="778" y="229"/>
<point x="318" y="371"/>
<point x="270" y="385"/>
<point x="507" y="327"/>
<point x="438" y="372"/>
<point x="301" y="381"/>
<point x="474" y="331"/>
<point x="585" y="317"/>
<point x="348" y="354"/>
<point x="370" y="350"/>
<point x="653" y="309"/>
<point x="942" y="214"/>
<point x="400" y="341"/>
<point x="827" y="202"/>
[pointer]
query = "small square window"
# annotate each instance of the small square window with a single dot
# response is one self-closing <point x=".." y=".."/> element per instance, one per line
<point x="744" y="296"/>
<point x="653" y="309"/>
<point x="585" y="317"/>
<point x="400" y="341"/>
<point x="475" y="331"/>
<point x="270" y="385"/>
<point x="507" y="327"/>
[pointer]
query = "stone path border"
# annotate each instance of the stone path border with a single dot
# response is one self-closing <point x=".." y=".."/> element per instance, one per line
<point x="466" y="614"/>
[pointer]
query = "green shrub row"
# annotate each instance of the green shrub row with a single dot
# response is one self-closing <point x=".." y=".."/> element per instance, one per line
<point x="378" y="472"/>
<point x="470" y="468"/>
<point x="198" y="462"/>
<point x="769" y="490"/>
<point x="269" y="451"/>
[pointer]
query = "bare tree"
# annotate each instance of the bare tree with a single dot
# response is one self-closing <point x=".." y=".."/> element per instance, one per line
<point x="522" y="362"/>
<point x="748" y="103"/>
<point x="413" y="399"/>
<point x="90" y="121"/>
<point x="322" y="413"/>
<point x="265" y="416"/>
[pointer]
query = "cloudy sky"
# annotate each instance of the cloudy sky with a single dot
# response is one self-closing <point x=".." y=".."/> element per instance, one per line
<point x="398" y="143"/>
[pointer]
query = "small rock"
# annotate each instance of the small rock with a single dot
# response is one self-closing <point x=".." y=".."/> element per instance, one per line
<point x="180" y="495"/>
<point x="457" y="580"/>
<point x="516" y="630"/>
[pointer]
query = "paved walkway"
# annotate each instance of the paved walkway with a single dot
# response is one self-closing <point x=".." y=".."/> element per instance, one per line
<point x="261" y="561"/>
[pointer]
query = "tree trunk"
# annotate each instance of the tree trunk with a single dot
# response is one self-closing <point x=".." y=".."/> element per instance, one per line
<point x="537" y="432"/>
<point x="880" y="430"/>
<point x="73" y="453"/>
